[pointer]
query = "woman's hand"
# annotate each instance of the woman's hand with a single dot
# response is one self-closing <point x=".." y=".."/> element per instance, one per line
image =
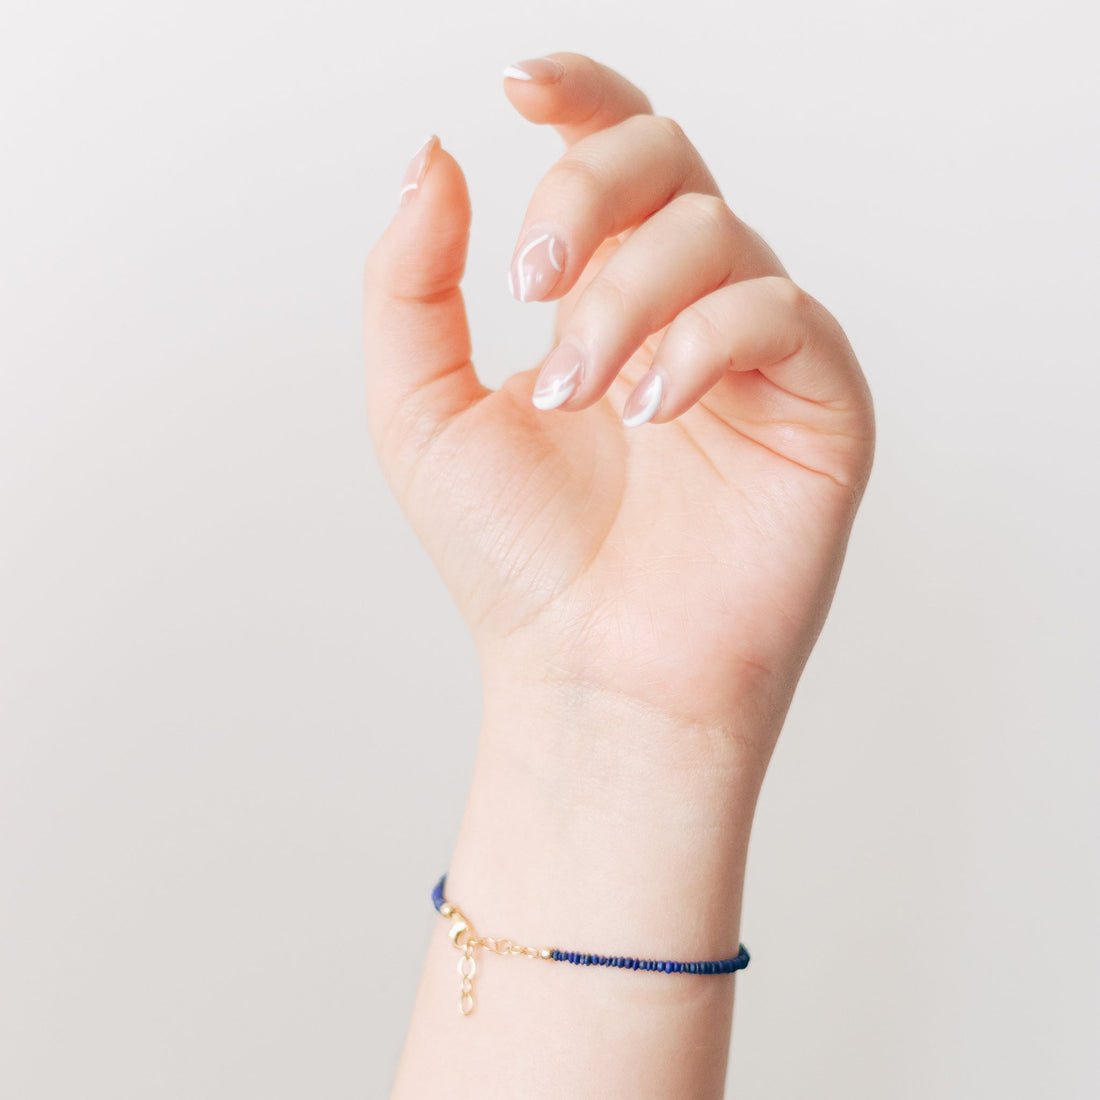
<point x="683" y="563"/>
<point x="643" y="595"/>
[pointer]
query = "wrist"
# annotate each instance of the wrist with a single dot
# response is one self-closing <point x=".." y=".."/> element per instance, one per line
<point x="597" y="823"/>
<point x="575" y="727"/>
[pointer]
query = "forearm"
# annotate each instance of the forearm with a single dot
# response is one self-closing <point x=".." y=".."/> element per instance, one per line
<point x="594" y="825"/>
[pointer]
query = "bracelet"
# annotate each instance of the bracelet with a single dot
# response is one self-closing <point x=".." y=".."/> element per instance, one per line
<point x="467" y="940"/>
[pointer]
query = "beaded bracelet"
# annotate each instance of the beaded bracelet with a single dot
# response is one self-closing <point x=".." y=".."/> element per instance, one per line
<point x="467" y="940"/>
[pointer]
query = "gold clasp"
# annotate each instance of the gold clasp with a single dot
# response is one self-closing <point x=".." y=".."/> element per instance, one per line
<point x="466" y="939"/>
<point x="460" y="923"/>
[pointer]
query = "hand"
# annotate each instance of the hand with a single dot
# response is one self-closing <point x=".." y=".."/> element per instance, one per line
<point x="684" y="563"/>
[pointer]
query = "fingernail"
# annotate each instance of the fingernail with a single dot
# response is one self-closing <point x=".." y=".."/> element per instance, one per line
<point x="414" y="174"/>
<point x="537" y="266"/>
<point x="539" y="70"/>
<point x="643" y="400"/>
<point x="558" y="379"/>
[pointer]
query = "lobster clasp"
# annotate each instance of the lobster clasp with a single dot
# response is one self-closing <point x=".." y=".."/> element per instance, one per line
<point x="457" y="929"/>
<point x="461" y="930"/>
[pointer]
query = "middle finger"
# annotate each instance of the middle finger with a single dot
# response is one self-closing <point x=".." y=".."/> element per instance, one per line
<point x="603" y="185"/>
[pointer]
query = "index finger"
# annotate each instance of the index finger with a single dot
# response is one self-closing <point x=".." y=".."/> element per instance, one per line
<point x="572" y="93"/>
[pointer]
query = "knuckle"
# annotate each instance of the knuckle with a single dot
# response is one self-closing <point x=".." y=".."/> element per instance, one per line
<point x="789" y="294"/>
<point x="669" y="128"/>
<point x="575" y="175"/>
<point x="707" y="208"/>
<point x="606" y="301"/>
<point x="697" y="327"/>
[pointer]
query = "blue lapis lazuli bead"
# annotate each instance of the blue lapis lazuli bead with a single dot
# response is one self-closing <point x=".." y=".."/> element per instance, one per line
<point x="437" y="893"/>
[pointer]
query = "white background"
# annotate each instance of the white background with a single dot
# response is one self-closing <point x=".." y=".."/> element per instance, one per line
<point x="238" y="709"/>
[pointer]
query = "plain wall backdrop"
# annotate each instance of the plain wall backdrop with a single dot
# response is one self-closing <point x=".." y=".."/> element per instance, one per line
<point x="238" y="709"/>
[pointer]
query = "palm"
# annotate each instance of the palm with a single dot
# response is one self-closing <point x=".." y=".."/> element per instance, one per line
<point x="671" y="562"/>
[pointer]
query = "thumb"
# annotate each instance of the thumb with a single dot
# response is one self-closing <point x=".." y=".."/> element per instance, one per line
<point x="419" y="373"/>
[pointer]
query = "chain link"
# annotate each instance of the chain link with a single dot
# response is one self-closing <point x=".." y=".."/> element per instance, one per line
<point x="466" y="939"/>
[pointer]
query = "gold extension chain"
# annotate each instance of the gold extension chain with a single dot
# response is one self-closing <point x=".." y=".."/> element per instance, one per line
<point x="466" y="939"/>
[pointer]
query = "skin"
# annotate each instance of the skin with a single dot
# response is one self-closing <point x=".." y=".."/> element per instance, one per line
<point x="643" y="600"/>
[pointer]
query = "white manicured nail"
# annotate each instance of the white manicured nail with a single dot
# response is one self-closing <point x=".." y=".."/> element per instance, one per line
<point x="537" y="266"/>
<point x="557" y="381"/>
<point x="643" y="401"/>
<point x="414" y="174"/>
<point x="539" y="70"/>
